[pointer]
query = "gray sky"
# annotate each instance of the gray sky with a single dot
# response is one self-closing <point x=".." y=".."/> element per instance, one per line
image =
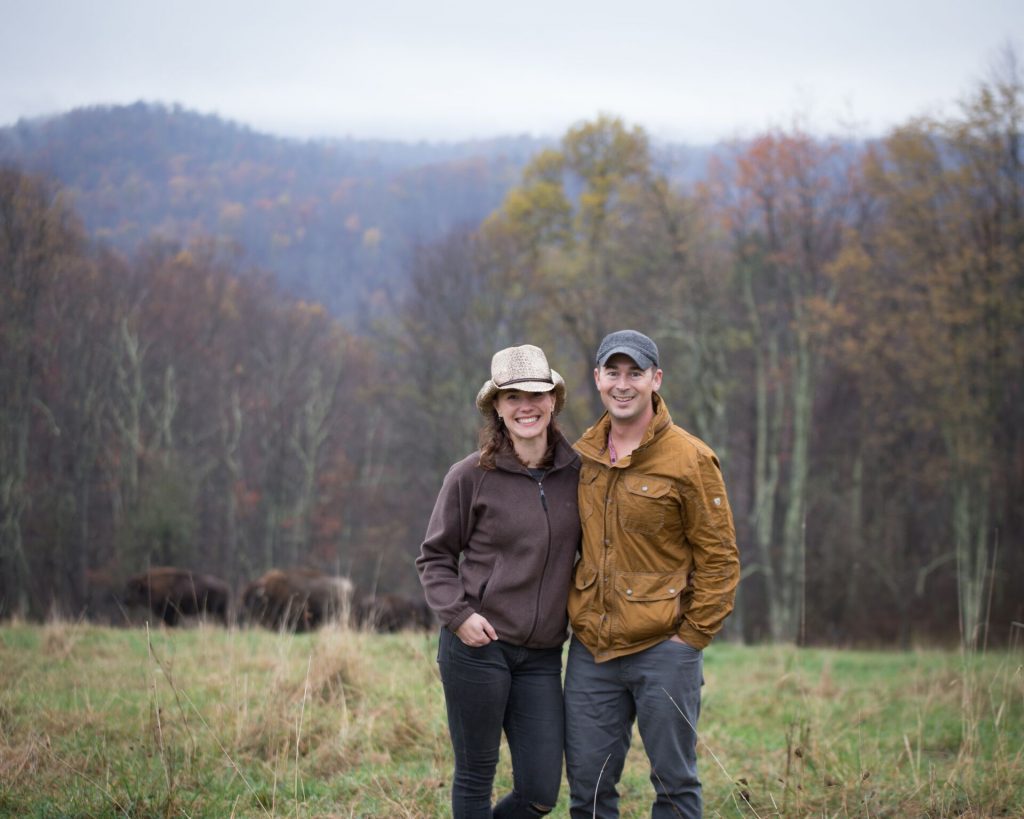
<point x="686" y="70"/>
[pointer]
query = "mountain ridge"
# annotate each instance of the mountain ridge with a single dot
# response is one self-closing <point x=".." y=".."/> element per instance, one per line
<point x="333" y="219"/>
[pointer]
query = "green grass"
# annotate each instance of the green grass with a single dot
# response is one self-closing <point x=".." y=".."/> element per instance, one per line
<point x="98" y="722"/>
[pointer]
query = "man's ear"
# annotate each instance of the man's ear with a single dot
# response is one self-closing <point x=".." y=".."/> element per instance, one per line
<point x="657" y="379"/>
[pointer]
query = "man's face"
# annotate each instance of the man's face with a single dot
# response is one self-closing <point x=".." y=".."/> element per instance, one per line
<point x="625" y="389"/>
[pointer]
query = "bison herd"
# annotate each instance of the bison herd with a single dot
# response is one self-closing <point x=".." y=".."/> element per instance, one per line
<point x="294" y="600"/>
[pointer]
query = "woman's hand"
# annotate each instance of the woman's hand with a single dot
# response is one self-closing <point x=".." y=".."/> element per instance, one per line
<point x="476" y="631"/>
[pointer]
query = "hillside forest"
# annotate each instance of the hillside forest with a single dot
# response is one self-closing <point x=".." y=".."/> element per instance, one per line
<point x="842" y="320"/>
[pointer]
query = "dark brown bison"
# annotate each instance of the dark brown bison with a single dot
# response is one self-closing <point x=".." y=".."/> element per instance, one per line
<point x="393" y="612"/>
<point x="171" y="593"/>
<point x="297" y="599"/>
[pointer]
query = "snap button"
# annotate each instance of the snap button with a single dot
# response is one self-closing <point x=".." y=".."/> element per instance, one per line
<point x="629" y="591"/>
<point x="644" y="487"/>
<point x="671" y="591"/>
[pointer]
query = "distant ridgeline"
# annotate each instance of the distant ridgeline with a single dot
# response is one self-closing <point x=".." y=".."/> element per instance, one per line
<point x="335" y="221"/>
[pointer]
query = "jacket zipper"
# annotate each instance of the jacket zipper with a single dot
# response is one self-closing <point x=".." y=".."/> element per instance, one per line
<point x="547" y="557"/>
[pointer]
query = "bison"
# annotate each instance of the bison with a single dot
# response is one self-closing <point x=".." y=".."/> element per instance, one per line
<point x="393" y="612"/>
<point x="297" y="599"/>
<point x="171" y="593"/>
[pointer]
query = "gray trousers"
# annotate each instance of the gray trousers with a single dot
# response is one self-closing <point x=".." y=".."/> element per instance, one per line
<point x="602" y="700"/>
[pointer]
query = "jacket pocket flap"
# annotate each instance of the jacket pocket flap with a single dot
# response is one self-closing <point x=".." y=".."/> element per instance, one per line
<point x="585" y="576"/>
<point x="589" y="473"/>
<point x="646" y="487"/>
<point x="646" y="586"/>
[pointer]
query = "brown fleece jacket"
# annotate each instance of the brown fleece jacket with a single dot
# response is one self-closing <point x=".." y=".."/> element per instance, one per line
<point x="502" y="544"/>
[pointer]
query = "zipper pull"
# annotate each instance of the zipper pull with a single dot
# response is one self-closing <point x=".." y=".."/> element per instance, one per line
<point x="543" y="497"/>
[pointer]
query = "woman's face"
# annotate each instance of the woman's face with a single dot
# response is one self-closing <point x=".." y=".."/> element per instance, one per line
<point x="526" y="414"/>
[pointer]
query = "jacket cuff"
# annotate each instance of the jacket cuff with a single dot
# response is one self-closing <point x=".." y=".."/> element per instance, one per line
<point x="459" y="619"/>
<point x="692" y="637"/>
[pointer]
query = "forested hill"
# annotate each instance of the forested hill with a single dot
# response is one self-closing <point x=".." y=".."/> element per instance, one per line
<point x="335" y="221"/>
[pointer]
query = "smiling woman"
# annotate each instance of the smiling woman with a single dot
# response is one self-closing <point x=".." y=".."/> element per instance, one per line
<point x="495" y="567"/>
<point x="526" y="416"/>
<point x="522" y="386"/>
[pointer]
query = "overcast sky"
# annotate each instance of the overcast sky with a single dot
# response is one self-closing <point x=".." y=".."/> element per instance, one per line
<point x="686" y="70"/>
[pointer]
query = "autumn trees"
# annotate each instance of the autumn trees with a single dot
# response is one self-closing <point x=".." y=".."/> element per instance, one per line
<point x="843" y="322"/>
<point x="40" y="243"/>
<point x="163" y="409"/>
<point x="939" y="270"/>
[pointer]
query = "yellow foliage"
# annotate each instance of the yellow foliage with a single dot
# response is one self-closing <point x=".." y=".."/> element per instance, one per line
<point x="232" y="213"/>
<point x="371" y="237"/>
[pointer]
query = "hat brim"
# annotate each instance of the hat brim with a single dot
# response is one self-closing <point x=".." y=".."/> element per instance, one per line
<point x="488" y="392"/>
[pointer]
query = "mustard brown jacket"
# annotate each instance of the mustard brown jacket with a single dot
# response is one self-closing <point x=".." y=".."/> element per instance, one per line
<point x="502" y="544"/>
<point x="659" y="555"/>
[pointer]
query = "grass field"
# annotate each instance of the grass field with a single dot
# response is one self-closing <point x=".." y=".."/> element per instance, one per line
<point x="98" y="722"/>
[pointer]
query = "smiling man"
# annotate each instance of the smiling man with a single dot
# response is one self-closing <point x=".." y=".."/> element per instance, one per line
<point x="655" y="581"/>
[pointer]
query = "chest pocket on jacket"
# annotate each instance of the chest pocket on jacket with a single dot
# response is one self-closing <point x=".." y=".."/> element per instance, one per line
<point x="645" y="503"/>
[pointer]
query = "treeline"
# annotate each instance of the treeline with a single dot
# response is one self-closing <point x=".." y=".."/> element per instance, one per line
<point x="167" y="410"/>
<point x="843" y="323"/>
<point x="335" y="221"/>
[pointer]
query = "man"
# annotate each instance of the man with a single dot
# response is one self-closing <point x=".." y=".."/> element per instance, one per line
<point x="656" y="579"/>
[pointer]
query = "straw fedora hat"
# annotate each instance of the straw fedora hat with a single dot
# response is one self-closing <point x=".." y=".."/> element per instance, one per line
<point x="521" y="368"/>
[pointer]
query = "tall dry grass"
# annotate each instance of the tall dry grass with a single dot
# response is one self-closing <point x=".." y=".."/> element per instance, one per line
<point x="341" y="723"/>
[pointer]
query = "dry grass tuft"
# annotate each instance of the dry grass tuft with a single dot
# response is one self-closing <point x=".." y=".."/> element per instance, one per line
<point x="309" y="702"/>
<point x="338" y="669"/>
<point x="24" y="759"/>
<point x="60" y="638"/>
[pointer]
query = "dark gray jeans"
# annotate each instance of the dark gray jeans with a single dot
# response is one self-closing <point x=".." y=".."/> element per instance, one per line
<point x="601" y="703"/>
<point x="503" y="687"/>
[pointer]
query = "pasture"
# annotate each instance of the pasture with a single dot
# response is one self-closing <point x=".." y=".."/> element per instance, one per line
<point x="208" y="722"/>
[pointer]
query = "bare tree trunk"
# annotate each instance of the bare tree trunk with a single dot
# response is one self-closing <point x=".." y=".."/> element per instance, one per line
<point x="852" y="603"/>
<point x="308" y="436"/>
<point x="231" y="434"/>
<point x="127" y="414"/>
<point x="767" y="418"/>
<point x="14" y="570"/>
<point x="793" y="546"/>
<point x="970" y="528"/>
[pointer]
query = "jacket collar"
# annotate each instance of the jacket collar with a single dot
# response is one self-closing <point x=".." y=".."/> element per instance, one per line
<point x="593" y="443"/>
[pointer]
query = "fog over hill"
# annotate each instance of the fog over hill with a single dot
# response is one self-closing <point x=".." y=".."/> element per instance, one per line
<point x="335" y="221"/>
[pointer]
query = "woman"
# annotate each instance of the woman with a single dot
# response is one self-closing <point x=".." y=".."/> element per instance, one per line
<point x="495" y="567"/>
